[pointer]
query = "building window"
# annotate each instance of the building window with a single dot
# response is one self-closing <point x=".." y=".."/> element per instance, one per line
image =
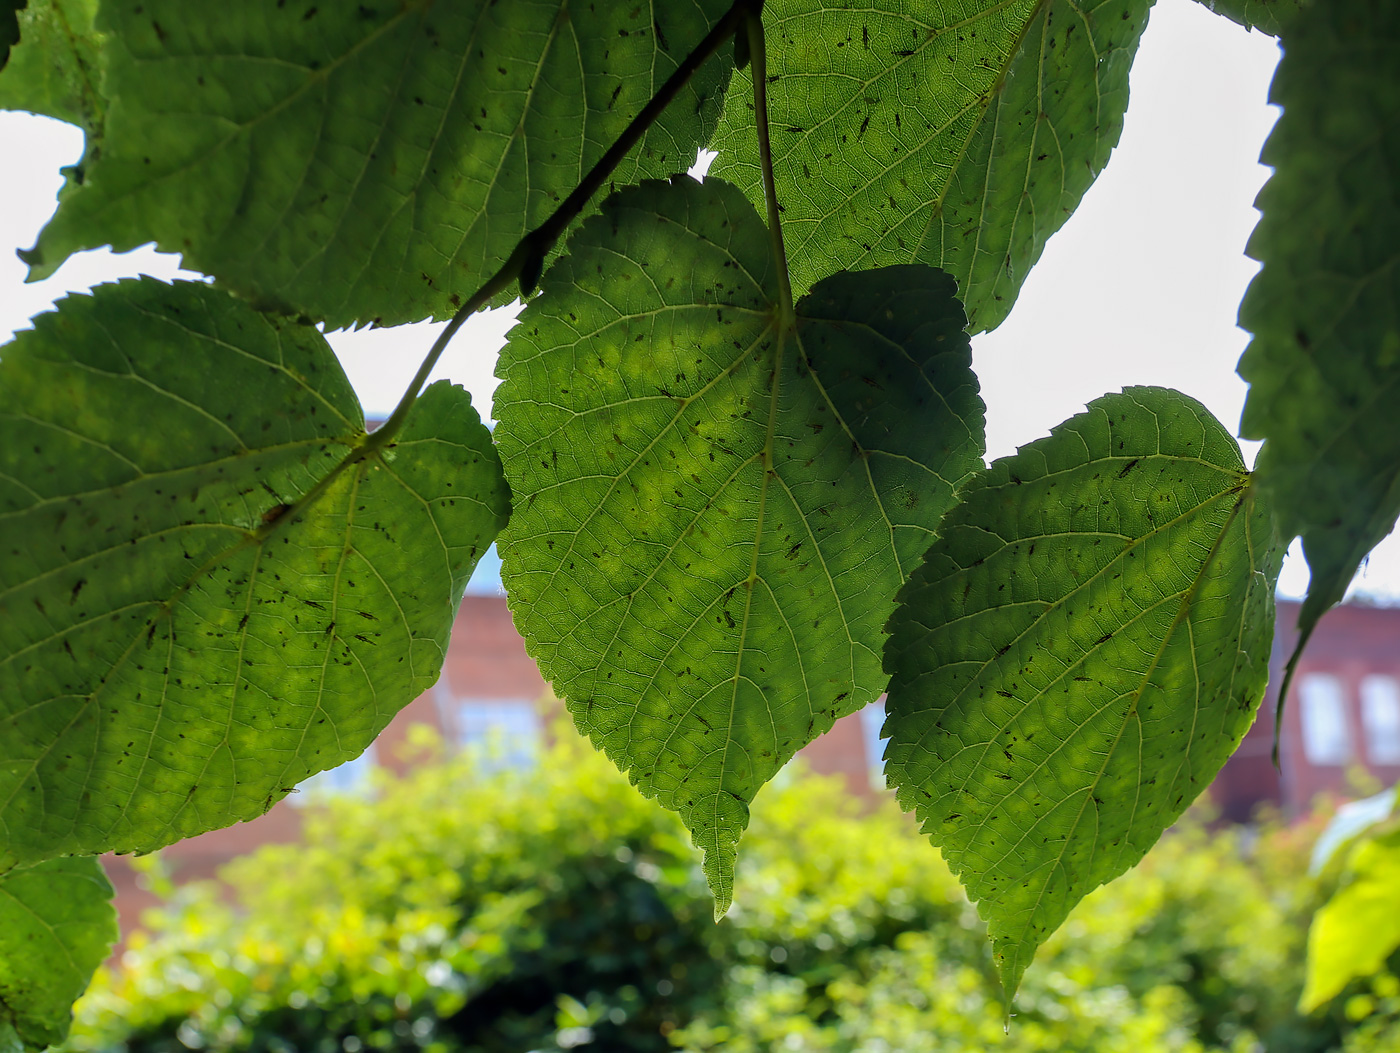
<point x="352" y="777"/>
<point x="1380" y="717"/>
<point x="505" y="731"/>
<point x="1326" y="736"/>
<point x="872" y="720"/>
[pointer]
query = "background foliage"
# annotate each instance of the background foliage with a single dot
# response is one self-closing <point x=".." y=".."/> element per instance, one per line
<point x="556" y="910"/>
<point x="383" y="163"/>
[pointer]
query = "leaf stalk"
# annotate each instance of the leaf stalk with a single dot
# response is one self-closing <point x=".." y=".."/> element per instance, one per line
<point x="758" y="53"/>
<point x="526" y="261"/>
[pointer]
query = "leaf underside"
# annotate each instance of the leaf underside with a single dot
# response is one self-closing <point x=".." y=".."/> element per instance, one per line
<point x="1324" y="364"/>
<point x="713" y="515"/>
<point x="1082" y="649"/>
<point x="368" y="162"/>
<point x="959" y="135"/>
<point x="56" y="69"/>
<point x="57" y="925"/>
<point x="181" y="645"/>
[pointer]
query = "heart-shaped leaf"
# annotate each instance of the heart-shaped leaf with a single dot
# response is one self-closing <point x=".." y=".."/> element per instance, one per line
<point x="715" y="510"/>
<point x="1080" y="652"/>
<point x="213" y="583"/>
<point x="960" y="134"/>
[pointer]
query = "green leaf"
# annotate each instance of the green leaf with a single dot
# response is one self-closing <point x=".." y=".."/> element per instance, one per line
<point x="1081" y="650"/>
<point x="57" y="70"/>
<point x="714" y="512"/>
<point x="961" y="135"/>
<point x="368" y="162"/>
<point x="1268" y="16"/>
<point x="1324" y="364"/>
<point x="186" y="634"/>
<point x="1358" y="928"/>
<point x="57" y="925"/>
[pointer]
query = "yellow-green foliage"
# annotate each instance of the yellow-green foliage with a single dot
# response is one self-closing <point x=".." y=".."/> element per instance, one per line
<point x="460" y="911"/>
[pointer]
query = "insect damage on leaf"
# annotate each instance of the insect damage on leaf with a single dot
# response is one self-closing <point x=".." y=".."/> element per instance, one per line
<point x="1081" y="650"/>
<point x="713" y="512"/>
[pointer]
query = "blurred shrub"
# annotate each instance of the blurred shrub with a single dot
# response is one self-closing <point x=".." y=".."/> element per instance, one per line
<point x="460" y="912"/>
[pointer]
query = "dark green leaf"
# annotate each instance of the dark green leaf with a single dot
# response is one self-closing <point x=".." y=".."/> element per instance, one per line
<point x="1324" y="364"/>
<point x="184" y="639"/>
<point x="714" y="512"/>
<point x="961" y="135"/>
<point x="1268" y="16"/>
<point x="368" y="162"/>
<point x="56" y="926"/>
<point x="9" y="27"/>
<point x="1082" y="649"/>
<point x="56" y="70"/>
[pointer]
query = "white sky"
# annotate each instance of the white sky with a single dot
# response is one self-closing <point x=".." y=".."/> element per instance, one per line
<point x="1140" y="287"/>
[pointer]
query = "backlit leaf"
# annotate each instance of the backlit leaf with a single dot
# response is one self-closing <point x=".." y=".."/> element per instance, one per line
<point x="372" y="161"/>
<point x="57" y="925"/>
<point x="960" y="135"/>
<point x="56" y="69"/>
<point x="1324" y="364"/>
<point x="1354" y="933"/>
<point x="1083" y="647"/>
<point x="714" y="512"/>
<point x="181" y="642"/>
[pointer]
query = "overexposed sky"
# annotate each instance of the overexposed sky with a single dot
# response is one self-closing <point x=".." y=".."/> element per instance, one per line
<point x="1140" y="287"/>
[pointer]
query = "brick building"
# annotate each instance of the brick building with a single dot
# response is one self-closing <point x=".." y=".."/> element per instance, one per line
<point x="1344" y="711"/>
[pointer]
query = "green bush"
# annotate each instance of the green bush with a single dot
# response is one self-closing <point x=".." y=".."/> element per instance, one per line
<point x="495" y="912"/>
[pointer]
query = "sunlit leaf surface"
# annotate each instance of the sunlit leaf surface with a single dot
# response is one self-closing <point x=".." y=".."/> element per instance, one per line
<point x="56" y="926"/>
<point x="1082" y="649"/>
<point x="714" y="511"/>
<point x="959" y="134"/>
<point x="181" y="641"/>
<point x="377" y="161"/>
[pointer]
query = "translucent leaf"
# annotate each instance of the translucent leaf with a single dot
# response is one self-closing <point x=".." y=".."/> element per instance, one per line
<point x="960" y="135"/>
<point x="57" y="925"/>
<point x="374" y="161"/>
<point x="184" y="638"/>
<point x="1354" y="933"/>
<point x="1080" y="652"/>
<point x="1324" y="364"/>
<point x="56" y="69"/>
<point x="713" y="511"/>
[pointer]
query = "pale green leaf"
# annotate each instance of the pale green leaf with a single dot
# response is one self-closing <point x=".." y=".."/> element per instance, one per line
<point x="960" y="135"/>
<point x="56" y="70"/>
<point x="57" y="925"/>
<point x="713" y="513"/>
<point x="1324" y="364"/>
<point x="1359" y="927"/>
<point x="375" y="161"/>
<point x="181" y="641"/>
<point x="1080" y="652"/>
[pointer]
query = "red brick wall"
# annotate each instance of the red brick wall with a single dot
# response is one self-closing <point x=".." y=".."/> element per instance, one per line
<point x="487" y="660"/>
